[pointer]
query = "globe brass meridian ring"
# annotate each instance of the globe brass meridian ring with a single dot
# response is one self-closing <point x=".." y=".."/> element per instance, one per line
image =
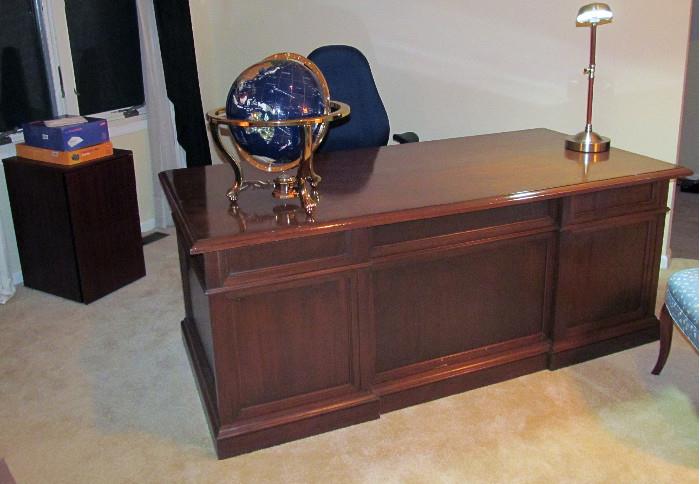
<point x="338" y="110"/>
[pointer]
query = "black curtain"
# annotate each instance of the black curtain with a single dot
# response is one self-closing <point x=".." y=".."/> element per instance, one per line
<point x="181" y="79"/>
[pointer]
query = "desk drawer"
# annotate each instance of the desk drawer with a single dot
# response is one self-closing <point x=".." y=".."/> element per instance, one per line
<point x="614" y="202"/>
<point x="421" y="234"/>
<point x="285" y="257"/>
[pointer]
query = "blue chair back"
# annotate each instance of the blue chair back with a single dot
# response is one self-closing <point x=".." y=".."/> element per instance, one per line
<point x="350" y="80"/>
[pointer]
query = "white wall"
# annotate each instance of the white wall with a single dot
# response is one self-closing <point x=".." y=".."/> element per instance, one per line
<point x="457" y="67"/>
<point x="137" y="143"/>
<point x="688" y="150"/>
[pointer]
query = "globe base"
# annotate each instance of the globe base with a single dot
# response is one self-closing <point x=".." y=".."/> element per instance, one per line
<point x="285" y="187"/>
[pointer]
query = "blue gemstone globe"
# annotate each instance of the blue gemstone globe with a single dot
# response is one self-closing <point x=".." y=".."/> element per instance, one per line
<point x="274" y="89"/>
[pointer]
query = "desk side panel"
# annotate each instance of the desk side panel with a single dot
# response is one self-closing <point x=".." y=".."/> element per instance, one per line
<point x="197" y="310"/>
<point x="197" y="332"/>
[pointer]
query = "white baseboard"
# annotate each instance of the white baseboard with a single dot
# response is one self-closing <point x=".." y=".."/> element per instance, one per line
<point x="148" y="225"/>
<point x="664" y="262"/>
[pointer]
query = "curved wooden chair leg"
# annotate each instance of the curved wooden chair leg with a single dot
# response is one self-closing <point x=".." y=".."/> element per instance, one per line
<point x="666" y="333"/>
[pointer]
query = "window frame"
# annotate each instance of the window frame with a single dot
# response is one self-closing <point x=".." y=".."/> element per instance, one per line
<point x="61" y="77"/>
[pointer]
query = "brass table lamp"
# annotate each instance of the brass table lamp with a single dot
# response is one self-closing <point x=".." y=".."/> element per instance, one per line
<point x="588" y="141"/>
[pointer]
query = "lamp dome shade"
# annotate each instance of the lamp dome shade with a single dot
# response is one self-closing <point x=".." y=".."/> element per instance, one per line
<point x="594" y="14"/>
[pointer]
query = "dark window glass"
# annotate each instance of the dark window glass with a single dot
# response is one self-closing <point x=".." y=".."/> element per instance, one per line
<point x="104" y="41"/>
<point x="24" y="90"/>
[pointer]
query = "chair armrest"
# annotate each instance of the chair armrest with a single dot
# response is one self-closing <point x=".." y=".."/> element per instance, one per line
<point x="407" y="137"/>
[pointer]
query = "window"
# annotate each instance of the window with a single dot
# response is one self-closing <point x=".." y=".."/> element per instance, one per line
<point x="104" y="43"/>
<point x="24" y="87"/>
<point x="68" y="57"/>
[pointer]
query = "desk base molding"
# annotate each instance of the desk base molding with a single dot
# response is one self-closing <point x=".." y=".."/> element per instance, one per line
<point x="307" y="420"/>
<point x="450" y="381"/>
<point x="588" y="348"/>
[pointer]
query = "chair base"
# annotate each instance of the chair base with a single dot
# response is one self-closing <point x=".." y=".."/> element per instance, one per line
<point x="665" y="335"/>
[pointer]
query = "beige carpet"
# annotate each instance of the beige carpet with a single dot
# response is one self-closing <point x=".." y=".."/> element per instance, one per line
<point x="104" y="393"/>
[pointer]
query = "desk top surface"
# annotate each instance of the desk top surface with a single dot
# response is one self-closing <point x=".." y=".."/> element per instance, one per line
<point x="375" y="186"/>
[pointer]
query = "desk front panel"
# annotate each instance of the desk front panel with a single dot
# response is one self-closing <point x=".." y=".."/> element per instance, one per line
<point x="456" y="297"/>
<point x="448" y="303"/>
<point x="321" y="331"/>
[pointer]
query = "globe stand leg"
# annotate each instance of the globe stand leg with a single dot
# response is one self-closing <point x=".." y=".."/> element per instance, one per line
<point x="232" y="193"/>
<point x="308" y="179"/>
<point x="238" y="216"/>
<point x="286" y="215"/>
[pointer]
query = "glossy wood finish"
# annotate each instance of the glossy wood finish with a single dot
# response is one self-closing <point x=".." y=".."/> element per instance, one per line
<point x="77" y="227"/>
<point x="428" y="269"/>
<point x="371" y="187"/>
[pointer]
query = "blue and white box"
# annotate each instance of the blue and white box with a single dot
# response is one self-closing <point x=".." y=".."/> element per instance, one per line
<point x="66" y="138"/>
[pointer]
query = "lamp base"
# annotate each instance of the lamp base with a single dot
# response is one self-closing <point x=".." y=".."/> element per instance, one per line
<point x="588" y="142"/>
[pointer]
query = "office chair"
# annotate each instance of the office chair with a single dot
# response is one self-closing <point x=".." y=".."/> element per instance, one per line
<point x="350" y="80"/>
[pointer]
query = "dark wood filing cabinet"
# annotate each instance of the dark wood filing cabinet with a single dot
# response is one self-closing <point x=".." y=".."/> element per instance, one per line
<point x="77" y="227"/>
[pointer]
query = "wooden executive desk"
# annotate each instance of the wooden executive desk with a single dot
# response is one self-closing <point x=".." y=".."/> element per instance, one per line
<point x="430" y="269"/>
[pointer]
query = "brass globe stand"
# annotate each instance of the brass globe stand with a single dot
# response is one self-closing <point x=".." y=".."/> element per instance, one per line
<point x="305" y="183"/>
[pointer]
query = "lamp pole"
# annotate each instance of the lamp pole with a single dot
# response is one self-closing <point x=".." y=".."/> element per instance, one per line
<point x="590" y="70"/>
